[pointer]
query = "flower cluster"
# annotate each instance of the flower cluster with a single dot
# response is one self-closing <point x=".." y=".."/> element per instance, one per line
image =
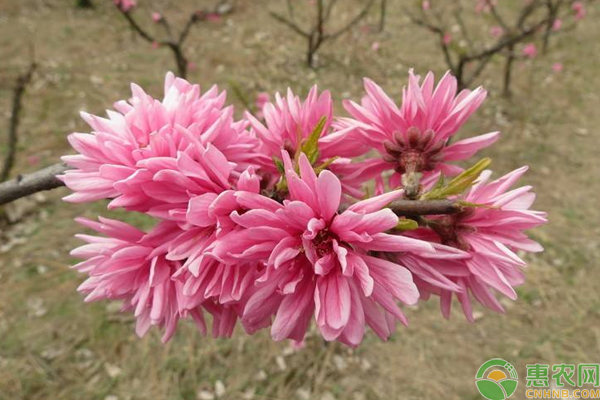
<point x="273" y="222"/>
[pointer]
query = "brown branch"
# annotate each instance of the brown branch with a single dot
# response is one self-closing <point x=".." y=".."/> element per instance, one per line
<point x="408" y="208"/>
<point x="497" y="16"/>
<point x="440" y="32"/>
<point x="22" y="81"/>
<point x="46" y="179"/>
<point x="293" y="26"/>
<point x="136" y="27"/>
<point x="25" y="185"/>
<point x="353" y="22"/>
<point x="176" y="46"/>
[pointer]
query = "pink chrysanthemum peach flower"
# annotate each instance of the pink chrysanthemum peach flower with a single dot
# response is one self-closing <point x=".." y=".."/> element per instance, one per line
<point x="131" y="266"/>
<point x="415" y="136"/>
<point x="289" y="121"/>
<point x="318" y="262"/>
<point x="490" y="234"/>
<point x="138" y="156"/>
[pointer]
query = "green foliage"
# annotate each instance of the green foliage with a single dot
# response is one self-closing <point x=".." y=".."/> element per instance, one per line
<point x="459" y="184"/>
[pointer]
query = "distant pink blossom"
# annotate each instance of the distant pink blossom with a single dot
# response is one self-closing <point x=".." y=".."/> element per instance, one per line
<point x="262" y="98"/>
<point x="426" y="5"/>
<point x="375" y="46"/>
<point x="530" y="50"/>
<point x="213" y="17"/>
<point x="496" y="31"/>
<point x="155" y="45"/>
<point x="156" y="17"/>
<point x="579" y="8"/>
<point x="447" y="39"/>
<point x="557" y="24"/>
<point x="191" y="65"/>
<point x="125" y="5"/>
<point x="557" y="67"/>
<point x="484" y="5"/>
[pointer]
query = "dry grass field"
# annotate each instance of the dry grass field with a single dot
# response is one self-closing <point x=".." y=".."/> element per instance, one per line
<point x="53" y="346"/>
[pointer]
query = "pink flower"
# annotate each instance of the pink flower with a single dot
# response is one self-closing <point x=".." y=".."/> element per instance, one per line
<point x="557" y="67"/>
<point x="125" y="5"/>
<point x="157" y="17"/>
<point x="140" y="155"/>
<point x="289" y="121"/>
<point x="318" y="262"/>
<point x="414" y="137"/>
<point x="213" y="17"/>
<point x="490" y="234"/>
<point x="426" y="5"/>
<point x="262" y="98"/>
<point x="496" y="31"/>
<point x="447" y="39"/>
<point x="484" y="5"/>
<point x="557" y="24"/>
<point x="191" y="66"/>
<point x="132" y="266"/>
<point x="375" y="46"/>
<point x="530" y="50"/>
<point x="155" y="45"/>
<point x="579" y="9"/>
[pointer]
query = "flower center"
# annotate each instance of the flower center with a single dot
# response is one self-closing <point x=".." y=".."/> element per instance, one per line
<point x="413" y="150"/>
<point x="323" y="242"/>
<point x="449" y="230"/>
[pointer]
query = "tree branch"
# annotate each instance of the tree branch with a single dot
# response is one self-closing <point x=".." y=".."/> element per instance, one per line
<point x="22" y="81"/>
<point x="136" y="27"/>
<point x="289" y="24"/>
<point x="25" y="185"/>
<point x="407" y="208"/>
<point x="353" y="22"/>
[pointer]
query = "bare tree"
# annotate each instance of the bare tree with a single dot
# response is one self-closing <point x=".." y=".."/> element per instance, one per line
<point x="13" y="127"/>
<point x="317" y="34"/>
<point x="534" y="19"/>
<point x="174" y="42"/>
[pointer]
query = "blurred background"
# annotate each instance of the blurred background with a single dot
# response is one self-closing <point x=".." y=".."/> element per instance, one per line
<point x="53" y="346"/>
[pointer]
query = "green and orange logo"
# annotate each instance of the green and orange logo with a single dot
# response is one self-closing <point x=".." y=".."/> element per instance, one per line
<point x="496" y="379"/>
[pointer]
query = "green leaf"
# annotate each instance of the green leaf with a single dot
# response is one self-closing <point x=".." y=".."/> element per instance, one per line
<point x="325" y="164"/>
<point x="279" y="164"/>
<point x="406" y="224"/>
<point x="310" y="146"/>
<point x="474" y="205"/>
<point x="460" y="183"/>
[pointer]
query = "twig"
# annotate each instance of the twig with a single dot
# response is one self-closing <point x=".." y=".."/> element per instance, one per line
<point x="25" y="185"/>
<point x="316" y="36"/>
<point x="289" y="24"/>
<point x="46" y="179"/>
<point x="382" y="15"/>
<point x="176" y="45"/>
<point x="407" y="208"/>
<point x="353" y="22"/>
<point x="13" y="136"/>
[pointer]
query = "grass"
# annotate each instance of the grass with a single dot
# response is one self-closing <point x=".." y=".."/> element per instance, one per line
<point x="52" y="345"/>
